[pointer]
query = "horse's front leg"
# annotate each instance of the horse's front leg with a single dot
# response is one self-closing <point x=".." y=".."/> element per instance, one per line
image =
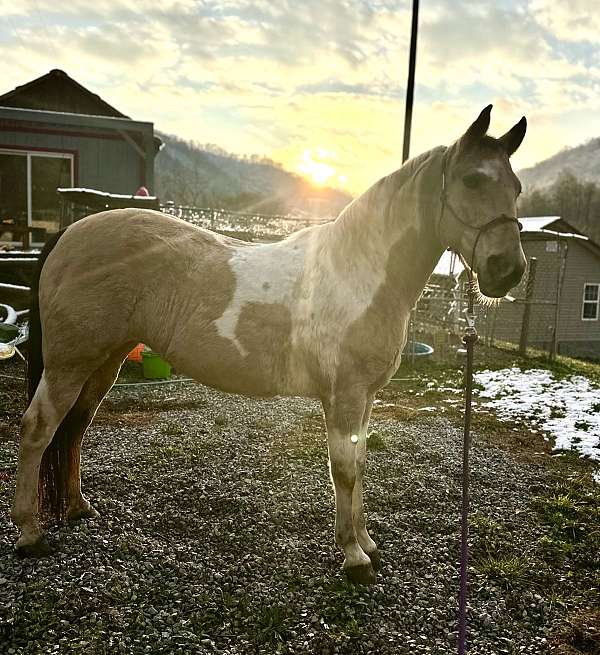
<point x="344" y="417"/>
<point x="358" y="514"/>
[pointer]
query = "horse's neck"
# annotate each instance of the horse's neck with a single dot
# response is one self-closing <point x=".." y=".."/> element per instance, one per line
<point x="390" y="231"/>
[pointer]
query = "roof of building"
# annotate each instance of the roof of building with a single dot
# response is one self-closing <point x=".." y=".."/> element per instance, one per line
<point x="550" y="225"/>
<point x="103" y="200"/>
<point x="56" y="91"/>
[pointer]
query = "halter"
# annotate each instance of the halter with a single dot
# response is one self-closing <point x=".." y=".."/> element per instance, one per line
<point x="497" y="220"/>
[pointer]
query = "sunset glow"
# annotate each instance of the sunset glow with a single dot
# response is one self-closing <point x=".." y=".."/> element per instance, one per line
<point x="314" y="168"/>
<point x="280" y="81"/>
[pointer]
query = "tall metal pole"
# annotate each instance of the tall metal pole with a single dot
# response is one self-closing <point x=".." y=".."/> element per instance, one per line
<point x="410" y="88"/>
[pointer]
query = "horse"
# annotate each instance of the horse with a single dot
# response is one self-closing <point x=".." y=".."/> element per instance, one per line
<point x="321" y="314"/>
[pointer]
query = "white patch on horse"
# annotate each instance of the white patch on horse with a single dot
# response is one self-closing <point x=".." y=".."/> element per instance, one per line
<point x="334" y="294"/>
<point x="491" y="168"/>
<point x="264" y="273"/>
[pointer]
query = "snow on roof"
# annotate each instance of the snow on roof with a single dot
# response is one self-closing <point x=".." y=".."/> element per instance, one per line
<point x="542" y="223"/>
<point x="448" y="265"/>
<point x="101" y="194"/>
<point x="537" y="223"/>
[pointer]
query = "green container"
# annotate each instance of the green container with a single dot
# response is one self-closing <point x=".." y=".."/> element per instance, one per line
<point x="154" y="367"/>
<point x="8" y="332"/>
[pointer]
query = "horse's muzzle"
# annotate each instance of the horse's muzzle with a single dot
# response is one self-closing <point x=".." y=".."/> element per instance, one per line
<point x="500" y="275"/>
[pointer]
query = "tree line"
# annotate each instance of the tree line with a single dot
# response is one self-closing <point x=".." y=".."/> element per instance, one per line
<point x="575" y="201"/>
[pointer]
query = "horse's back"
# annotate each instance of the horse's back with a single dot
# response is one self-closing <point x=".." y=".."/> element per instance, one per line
<point x="113" y="273"/>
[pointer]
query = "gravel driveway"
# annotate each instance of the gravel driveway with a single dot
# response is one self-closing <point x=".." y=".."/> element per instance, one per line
<point x="216" y="536"/>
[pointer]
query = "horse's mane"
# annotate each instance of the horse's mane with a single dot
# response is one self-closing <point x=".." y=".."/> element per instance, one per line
<point x="378" y="199"/>
<point x="406" y="173"/>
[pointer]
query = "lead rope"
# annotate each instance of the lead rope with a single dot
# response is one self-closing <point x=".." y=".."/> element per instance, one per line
<point x="469" y="339"/>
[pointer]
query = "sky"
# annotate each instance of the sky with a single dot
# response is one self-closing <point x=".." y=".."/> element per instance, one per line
<point x="319" y="85"/>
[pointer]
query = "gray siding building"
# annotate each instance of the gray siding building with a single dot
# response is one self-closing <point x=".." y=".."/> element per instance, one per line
<point x="56" y="133"/>
<point x="566" y="292"/>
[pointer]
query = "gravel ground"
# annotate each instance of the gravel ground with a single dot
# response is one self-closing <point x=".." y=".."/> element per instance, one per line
<point x="216" y="536"/>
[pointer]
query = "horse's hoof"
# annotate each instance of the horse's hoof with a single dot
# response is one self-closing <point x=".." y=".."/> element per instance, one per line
<point x="80" y="514"/>
<point x="39" y="548"/>
<point x="375" y="560"/>
<point x="362" y="574"/>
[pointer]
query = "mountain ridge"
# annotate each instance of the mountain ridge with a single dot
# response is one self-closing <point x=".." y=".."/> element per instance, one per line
<point x="208" y="176"/>
<point x="582" y="161"/>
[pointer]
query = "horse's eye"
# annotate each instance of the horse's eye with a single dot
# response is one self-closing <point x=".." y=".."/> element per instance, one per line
<point x="474" y="180"/>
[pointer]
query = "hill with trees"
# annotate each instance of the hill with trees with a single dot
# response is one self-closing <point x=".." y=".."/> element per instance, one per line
<point x="575" y="201"/>
<point x="566" y="185"/>
<point x="207" y="176"/>
<point x="582" y="162"/>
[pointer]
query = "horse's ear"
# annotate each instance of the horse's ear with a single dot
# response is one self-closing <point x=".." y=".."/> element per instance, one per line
<point x="513" y="138"/>
<point x="477" y="130"/>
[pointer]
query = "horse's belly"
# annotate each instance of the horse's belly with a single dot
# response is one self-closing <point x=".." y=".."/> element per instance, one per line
<point x="225" y="364"/>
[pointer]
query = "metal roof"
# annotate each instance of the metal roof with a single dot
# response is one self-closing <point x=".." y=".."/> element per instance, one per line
<point x="537" y="223"/>
<point x="24" y="96"/>
<point x="550" y="225"/>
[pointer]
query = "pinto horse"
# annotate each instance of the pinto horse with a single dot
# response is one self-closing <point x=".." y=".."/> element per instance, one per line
<point x="321" y="314"/>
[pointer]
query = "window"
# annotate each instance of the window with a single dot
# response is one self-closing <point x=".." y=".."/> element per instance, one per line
<point x="28" y="183"/>
<point x="591" y="298"/>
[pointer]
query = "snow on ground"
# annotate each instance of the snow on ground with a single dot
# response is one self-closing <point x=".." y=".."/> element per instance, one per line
<point x="568" y="409"/>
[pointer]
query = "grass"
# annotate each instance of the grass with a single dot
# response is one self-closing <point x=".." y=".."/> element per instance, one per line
<point x="570" y="517"/>
<point x="510" y="571"/>
<point x="342" y="604"/>
<point x="376" y="441"/>
<point x="505" y="355"/>
<point x="561" y="367"/>
<point x="270" y="625"/>
<point x="489" y="538"/>
<point x="172" y="429"/>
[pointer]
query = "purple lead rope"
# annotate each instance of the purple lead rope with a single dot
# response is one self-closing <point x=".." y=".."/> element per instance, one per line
<point x="469" y="339"/>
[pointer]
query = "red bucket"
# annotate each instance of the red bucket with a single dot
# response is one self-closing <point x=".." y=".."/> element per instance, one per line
<point x="136" y="354"/>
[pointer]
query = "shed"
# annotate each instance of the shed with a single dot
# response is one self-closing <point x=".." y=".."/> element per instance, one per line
<point x="565" y="300"/>
<point x="56" y="133"/>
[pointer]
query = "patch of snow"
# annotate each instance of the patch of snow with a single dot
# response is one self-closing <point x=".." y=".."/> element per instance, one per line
<point x="568" y="409"/>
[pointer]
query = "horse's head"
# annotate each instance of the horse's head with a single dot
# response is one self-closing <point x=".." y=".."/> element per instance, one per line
<point x="479" y="195"/>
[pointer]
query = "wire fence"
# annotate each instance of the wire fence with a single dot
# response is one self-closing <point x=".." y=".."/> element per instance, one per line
<point x="256" y="226"/>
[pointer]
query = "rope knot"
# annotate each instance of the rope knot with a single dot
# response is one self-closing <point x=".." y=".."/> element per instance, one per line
<point x="470" y="336"/>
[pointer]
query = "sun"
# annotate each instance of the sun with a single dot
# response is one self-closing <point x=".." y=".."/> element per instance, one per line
<point x="313" y="166"/>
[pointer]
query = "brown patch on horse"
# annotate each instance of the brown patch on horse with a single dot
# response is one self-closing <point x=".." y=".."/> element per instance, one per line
<point x="265" y="331"/>
<point x="371" y="348"/>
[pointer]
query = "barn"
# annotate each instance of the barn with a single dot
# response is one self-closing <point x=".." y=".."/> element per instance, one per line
<point x="564" y="292"/>
<point x="56" y="133"/>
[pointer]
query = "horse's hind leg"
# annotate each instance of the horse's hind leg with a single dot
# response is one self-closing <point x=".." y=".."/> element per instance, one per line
<point x="77" y="422"/>
<point x="54" y="397"/>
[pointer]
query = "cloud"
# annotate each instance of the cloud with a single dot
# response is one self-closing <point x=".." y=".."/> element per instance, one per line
<point x="278" y="78"/>
<point x="576" y="20"/>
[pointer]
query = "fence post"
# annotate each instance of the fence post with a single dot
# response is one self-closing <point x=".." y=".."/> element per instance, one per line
<point x="493" y="330"/>
<point x="527" y="311"/>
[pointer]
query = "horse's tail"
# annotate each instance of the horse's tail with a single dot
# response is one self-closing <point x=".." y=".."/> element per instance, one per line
<point x="54" y="465"/>
<point x="35" y="361"/>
